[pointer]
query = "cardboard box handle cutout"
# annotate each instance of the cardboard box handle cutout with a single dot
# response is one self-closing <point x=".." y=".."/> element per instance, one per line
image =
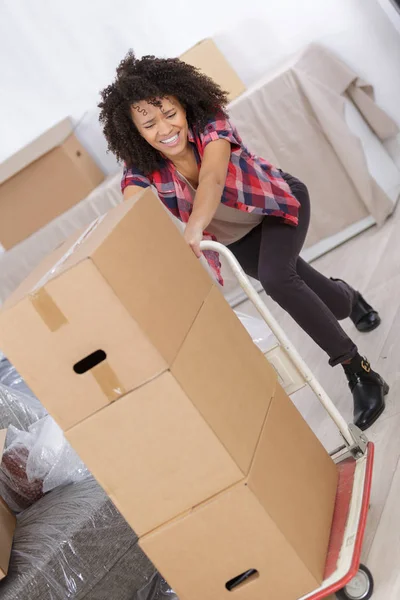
<point x="242" y="579"/>
<point x="90" y="361"/>
<point x="97" y="364"/>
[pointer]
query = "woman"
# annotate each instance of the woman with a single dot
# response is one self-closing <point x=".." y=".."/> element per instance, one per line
<point x="166" y="122"/>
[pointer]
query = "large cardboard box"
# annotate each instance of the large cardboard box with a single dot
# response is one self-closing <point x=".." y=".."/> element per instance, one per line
<point x="188" y="434"/>
<point x="275" y="522"/>
<point x="7" y="523"/>
<point x="153" y="454"/>
<point x="207" y="57"/>
<point x="106" y="312"/>
<point x="43" y="180"/>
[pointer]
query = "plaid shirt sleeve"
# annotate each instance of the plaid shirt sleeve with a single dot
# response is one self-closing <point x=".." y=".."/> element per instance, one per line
<point x="220" y="128"/>
<point x="133" y="176"/>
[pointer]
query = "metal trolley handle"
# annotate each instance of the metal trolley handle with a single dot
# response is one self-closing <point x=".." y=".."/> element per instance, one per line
<point x="355" y="440"/>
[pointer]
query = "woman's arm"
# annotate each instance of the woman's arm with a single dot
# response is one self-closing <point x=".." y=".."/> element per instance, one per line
<point x="212" y="179"/>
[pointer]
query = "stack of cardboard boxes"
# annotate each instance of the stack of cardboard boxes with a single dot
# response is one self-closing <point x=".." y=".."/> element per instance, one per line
<point x="134" y="351"/>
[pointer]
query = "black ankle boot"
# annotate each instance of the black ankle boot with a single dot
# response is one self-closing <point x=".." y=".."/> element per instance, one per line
<point x="368" y="389"/>
<point x="364" y="317"/>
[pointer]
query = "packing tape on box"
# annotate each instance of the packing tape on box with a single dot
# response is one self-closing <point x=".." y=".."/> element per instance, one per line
<point x="48" y="310"/>
<point x="108" y="381"/>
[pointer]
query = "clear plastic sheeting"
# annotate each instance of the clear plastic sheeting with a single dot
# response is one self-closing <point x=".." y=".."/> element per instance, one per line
<point x="259" y="331"/>
<point x="18" y="409"/>
<point x="156" y="589"/>
<point x="35" y="462"/>
<point x="61" y="261"/>
<point x="74" y="544"/>
<point x="10" y="377"/>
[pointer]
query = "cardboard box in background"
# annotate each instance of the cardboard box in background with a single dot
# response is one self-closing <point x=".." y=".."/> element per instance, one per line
<point x="207" y="57"/>
<point x="7" y="523"/>
<point x="277" y="521"/>
<point x="42" y="181"/>
<point x="188" y="434"/>
<point x="106" y="312"/>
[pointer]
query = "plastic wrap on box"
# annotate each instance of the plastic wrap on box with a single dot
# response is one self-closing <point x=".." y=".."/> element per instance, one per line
<point x="35" y="462"/>
<point x="74" y="544"/>
<point x="18" y="409"/>
<point x="10" y="377"/>
<point x="156" y="589"/>
<point x="15" y="488"/>
<point x="259" y="331"/>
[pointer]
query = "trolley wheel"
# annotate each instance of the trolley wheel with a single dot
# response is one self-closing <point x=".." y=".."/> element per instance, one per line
<point x="361" y="587"/>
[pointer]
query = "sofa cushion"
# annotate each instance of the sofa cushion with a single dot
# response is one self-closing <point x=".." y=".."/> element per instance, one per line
<point x="73" y="543"/>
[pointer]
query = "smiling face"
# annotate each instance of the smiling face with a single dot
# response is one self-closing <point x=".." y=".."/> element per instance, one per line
<point x="164" y="127"/>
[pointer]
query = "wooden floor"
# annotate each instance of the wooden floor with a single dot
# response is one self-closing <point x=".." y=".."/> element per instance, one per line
<point x="371" y="264"/>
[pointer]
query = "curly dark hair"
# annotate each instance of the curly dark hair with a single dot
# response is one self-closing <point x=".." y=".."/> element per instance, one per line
<point x="151" y="78"/>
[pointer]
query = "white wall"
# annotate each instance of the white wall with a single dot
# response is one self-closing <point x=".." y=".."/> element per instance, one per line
<point x="55" y="55"/>
<point x="392" y="10"/>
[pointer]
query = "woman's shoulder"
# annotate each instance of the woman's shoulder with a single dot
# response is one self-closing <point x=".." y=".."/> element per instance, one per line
<point x="133" y="176"/>
<point x="219" y="126"/>
<point x="219" y="120"/>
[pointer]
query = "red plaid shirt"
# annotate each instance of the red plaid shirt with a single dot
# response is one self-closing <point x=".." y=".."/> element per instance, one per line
<point x="252" y="183"/>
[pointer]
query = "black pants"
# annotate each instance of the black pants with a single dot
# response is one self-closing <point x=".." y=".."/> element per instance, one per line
<point x="270" y="253"/>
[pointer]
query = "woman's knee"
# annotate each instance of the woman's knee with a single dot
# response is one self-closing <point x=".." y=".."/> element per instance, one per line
<point x="277" y="283"/>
